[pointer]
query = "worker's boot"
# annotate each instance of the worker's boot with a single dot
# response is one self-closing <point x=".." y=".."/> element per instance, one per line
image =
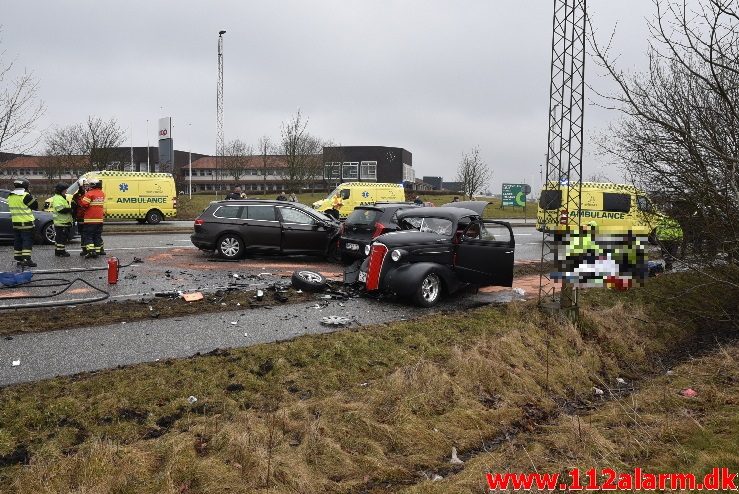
<point x="61" y="253"/>
<point x="28" y="263"/>
<point x="83" y="252"/>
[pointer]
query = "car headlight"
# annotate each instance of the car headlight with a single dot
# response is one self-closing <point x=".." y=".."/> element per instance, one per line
<point x="367" y="249"/>
<point x="396" y="255"/>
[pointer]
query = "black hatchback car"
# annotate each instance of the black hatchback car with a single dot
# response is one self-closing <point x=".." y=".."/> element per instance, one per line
<point x="235" y="227"/>
<point x="439" y="250"/>
<point x="366" y="223"/>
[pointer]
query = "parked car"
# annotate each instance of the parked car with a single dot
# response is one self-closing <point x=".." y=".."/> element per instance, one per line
<point x="366" y="223"/>
<point x="439" y="250"/>
<point x="44" y="225"/>
<point x="4" y="193"/>
<point x="235" y="227"/>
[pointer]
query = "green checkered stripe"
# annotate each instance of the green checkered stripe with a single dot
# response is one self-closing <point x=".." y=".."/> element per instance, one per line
<point x="113" y="173"/>
<point x="132" y="216"/>
<point x="607" y="187"/>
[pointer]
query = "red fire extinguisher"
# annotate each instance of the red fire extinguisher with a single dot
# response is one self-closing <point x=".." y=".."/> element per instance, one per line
<point x="113" y="267"/>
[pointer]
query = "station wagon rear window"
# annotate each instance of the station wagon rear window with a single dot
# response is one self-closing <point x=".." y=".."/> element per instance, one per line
<point x="550" y="199"/>
<point x="440" y="226"/>
<point x="617" y="203"/>
<point x="229" y="212"/>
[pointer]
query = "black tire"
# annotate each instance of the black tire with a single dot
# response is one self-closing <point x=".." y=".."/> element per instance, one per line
<point x="230" y="246"/>
<point x="48" y="234"/>
<point x="429" y="290"/>
<point x="309" y="281"/>
<point x="154" y="217"/>
<point x="332" y="213"/>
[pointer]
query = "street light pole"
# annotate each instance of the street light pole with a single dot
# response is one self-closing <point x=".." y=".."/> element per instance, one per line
<point x="189" y="131"/>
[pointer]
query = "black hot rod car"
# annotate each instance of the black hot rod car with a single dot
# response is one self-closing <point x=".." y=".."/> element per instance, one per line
<point x="439" y="250"/>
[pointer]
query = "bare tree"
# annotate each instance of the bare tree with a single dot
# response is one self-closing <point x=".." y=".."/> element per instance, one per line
<point x="64" y="151"/>
<point x="100" y="141"/>
<point x="236" y="157"/>
<point x="678" y="137"/>
<point x="473" y="174"/>
<point x="20" y="109"/>
<point x="301" y="151"/>
<point x="265" y="150"/>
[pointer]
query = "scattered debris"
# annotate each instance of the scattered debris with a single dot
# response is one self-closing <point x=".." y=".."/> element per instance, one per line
<point x="16" y="363"/>
<point x="688" y="393"/>
<point x="621" y="381"/>
<point x="454" y="460"/>
<point x="234" y="323"/>
<point x="260" y="295"/>
<point x="192" y="400"/>
<point x="519" y="291"/>
<point x="598" y="391"/>
<point x="192" y="297"/>
<point x="670" y="372"/>
<point x="437" y="477"/>
<point x="335" y="321"/>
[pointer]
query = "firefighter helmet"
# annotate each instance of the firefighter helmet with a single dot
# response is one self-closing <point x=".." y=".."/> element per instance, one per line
<point x="95" y="183"/>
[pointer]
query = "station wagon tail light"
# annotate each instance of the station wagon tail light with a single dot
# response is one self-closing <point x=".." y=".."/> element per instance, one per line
<point x="379" y="228"/>
<point x="174" y="202"/>
<point x="374" y="268"/>
<point x="199" y="222"/>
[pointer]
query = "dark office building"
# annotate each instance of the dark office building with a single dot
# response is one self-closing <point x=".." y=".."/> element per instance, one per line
<point x="434" y="182"/>
<point x="368" y="164"/>
<point x="452" y="186"/>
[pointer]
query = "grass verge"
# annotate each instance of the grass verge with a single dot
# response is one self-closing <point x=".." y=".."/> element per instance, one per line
<point x="368" y="410"/>
<point x="189" y="209"/>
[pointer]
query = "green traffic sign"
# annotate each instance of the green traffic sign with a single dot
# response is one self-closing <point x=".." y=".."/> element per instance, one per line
<point x="514" y="195"/>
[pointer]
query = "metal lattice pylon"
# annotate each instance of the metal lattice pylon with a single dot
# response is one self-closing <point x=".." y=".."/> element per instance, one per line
<point x="219" y="112"/>
<point x="564" y="153"/>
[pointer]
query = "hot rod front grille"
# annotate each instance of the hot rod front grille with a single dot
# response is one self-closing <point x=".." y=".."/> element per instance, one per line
<point x="374" y="268"/>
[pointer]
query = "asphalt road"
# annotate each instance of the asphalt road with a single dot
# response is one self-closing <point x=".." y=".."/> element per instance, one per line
<point x="67" y="352"/>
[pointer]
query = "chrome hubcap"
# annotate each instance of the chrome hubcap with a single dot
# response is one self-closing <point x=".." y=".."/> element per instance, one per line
<point x="230" y="246"/>
<point x="310" y="276"/>
<point x="430" y="287"/>
<point x="50" y="234"/>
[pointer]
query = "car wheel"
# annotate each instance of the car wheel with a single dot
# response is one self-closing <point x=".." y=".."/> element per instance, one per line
<point x="154" y="217"/>
<point x="230" y="246"/>
<point x="429" y="291"/>
<point x="48" y="233"/>
<point x="309" y="281"/>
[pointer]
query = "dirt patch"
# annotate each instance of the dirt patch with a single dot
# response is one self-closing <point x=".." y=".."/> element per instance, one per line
<point x="39" y="320"/>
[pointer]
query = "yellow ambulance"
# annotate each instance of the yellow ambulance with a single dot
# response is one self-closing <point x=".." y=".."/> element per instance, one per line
<point x="141" y="196"/>
<point x="347" y="196"/>
<point x="616" y="208"/>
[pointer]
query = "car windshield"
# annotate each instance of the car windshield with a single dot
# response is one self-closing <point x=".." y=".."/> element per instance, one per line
<point x="440" y="226"/>
<point x="361" y="216"/>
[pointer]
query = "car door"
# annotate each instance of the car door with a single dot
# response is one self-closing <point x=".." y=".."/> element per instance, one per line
<point x="6" y="225"/>
<point x="484" y="254"/>
<point x="260" y="228"/>
<point x="301" y="232"/>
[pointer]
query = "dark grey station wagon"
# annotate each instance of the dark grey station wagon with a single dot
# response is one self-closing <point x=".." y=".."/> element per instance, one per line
<point x="235" y="227"/>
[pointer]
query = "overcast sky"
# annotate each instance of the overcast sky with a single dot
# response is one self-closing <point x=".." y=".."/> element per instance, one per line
<point x="433" y="77"/>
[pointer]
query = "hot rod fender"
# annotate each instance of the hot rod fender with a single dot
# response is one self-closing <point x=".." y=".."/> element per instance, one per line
<point x="405" y="280"/>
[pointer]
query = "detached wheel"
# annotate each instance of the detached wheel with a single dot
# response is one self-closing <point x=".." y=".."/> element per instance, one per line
<point x="309" y="281"/>
<point x="154" y="217"/>
<point x="48" y="233"/>
<point x="429" y="291"/>
<point x="230" y="246"/>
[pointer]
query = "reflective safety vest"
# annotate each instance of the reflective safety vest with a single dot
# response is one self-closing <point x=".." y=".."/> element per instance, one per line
<point x="669" y="230"/>
<point x="581" y="243"/>
<point x="58" y="204"/>
<point x="93" y="204"/>
<point x="21" y="215"/>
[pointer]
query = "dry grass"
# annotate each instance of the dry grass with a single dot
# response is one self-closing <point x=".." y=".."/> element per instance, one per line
<point x="370" y="410"/>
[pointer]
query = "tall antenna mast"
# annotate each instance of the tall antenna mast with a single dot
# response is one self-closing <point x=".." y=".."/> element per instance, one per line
<point x="219" y="112"/>
<point x="565" y="149"/>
